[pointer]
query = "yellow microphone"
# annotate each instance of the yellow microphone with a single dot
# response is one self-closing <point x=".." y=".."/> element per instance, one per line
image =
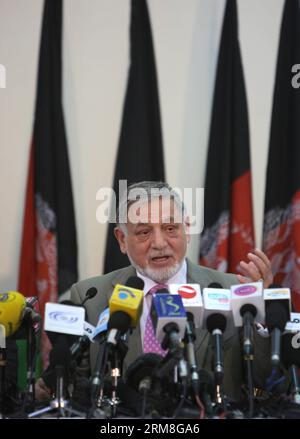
<point x="12" y="306"/>
<point x="128" y="299"/>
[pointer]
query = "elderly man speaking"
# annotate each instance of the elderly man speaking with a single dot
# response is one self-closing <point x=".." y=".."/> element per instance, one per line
<point x="153" y="230"/>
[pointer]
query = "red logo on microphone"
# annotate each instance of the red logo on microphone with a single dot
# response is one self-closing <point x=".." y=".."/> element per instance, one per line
<point x="187" y="292"/>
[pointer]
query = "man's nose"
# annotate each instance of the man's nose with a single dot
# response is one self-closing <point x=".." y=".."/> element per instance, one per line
<point x="158" y="240"/>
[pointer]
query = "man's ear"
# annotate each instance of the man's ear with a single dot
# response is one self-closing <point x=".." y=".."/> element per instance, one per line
<point x="120" y="236"/>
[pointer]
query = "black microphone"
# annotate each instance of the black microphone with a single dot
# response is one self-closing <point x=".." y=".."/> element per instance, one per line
<point x="83" y="343"/>
<point x="60" y="354"/>
<point x="91" y="292"/>
<point x="118" y="325"/>
<point x="291" y="361"/>
<point x="114" y="349"/>
<point x="141" y="378"/>
<point x="276" y="318"/>
<point x="135" y="282"/>
<point x="216" y="325"/>
<point x="30" y="315"/>
<point x="139" y="374"/>
<point x="248" y="313"/>
<point x="59" y="359"/>
<point x="190" y="351"/>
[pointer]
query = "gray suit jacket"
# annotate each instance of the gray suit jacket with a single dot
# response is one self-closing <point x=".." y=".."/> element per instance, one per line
<point x="195" y="274"/>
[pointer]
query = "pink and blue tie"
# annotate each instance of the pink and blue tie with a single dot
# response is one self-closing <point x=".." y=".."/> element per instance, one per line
<point x="151" y="344"/>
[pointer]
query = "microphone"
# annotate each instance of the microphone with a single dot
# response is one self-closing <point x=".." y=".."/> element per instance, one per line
<point x="252" y="294"/>
<point x="125" y="309"/>
<point x="59" y="362"/>
<point x="247" y="305"/>
<point x="12" y="305"/>
<point x="217" y="312"/>
<point x="169" y="319"/>
<point x="190" y="351"/>
<point x="128" y="299"/>
<point x="191" y="299"/>
<point x="291" y="361"/>
<point x="91" y="292"/>
<point x="83" y="343"/>
<point x="32" y="313"/>
<point x="54" y="335"/>
<point x="277" y="307"/>
<point x="140" y="373"/>
<point x="141" y="378"/>
<point x="216" y="298"/>
<point x="118" y="324"/>
<point x="248" y="313"/>
<point x="65" y="348"/>
<point x="216" y="325"/>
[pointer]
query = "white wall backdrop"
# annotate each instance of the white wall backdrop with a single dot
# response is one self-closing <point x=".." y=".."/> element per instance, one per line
<point x="95" y="57"/>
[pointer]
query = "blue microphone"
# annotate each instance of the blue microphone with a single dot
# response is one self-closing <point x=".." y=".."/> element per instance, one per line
<point x="169" y="319"/>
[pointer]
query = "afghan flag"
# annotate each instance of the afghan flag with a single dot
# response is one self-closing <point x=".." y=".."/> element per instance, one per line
<point x="140" y="151"/>
<point x="281" y="237"/>
<point x="48" y="263"/>
<point x="228" y="233"/>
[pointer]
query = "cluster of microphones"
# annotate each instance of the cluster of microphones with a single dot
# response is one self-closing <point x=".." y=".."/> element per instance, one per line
<point x="156" y="386"/>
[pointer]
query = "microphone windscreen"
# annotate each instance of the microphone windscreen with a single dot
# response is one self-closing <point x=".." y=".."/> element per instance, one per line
<point x="162" y="291"/>
<point x="216" y="321"/>
<point x="60" y="355"/>
<point x="135" y="282"/>
<point x="141" y="368"/>
<point x="248" y="307"/>
<point x="215" y="285"/>
<point x="91" y="292"/>
<point x="276" y="316"/>
<point x="119" y="320"/>
<point x="12" y="305"/>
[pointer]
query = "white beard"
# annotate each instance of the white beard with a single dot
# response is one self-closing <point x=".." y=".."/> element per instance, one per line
<point x="159" y="275"/>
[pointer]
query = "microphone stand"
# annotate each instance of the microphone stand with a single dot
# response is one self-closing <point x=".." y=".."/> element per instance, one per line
<point x="248" y="321"/>
<point x="97" y="383"/>
<point x="29" y="402"/>
<point x="60" y="404"/>
<point x="116" y="356"/>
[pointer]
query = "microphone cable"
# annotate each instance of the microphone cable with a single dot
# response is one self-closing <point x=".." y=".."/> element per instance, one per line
<point x="182" y="400"/>
<point x="201" y="407"/>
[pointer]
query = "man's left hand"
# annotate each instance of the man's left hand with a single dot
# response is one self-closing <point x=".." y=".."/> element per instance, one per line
<point x="257" y="269"/>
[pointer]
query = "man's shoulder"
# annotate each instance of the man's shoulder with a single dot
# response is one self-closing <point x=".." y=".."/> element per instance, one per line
<point x="205" y="276"/>
<point x="104" y="282"/>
